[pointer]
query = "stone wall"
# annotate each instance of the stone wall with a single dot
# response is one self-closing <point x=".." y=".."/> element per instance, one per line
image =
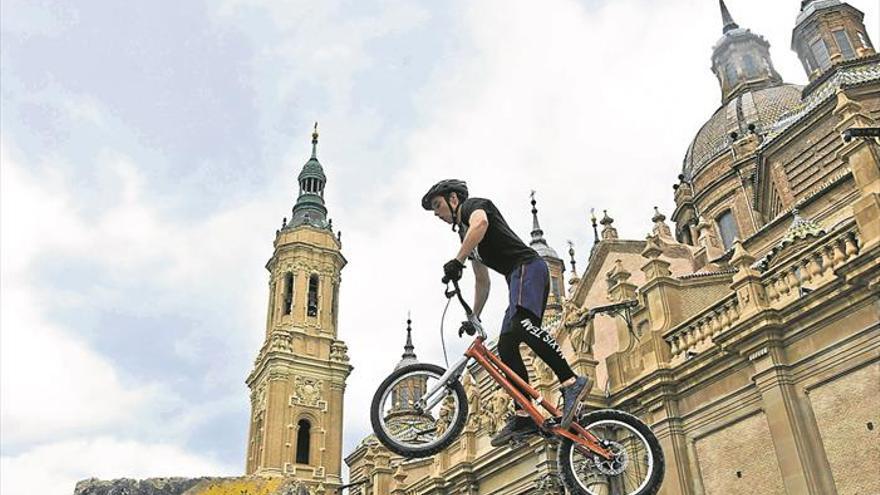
<point x="847" y="412"/>
<point x="739" y="458"/>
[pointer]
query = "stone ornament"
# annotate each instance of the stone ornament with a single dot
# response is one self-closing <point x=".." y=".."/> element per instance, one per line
<point x="498" y="408"/>
<point x="472" y="392"/>
<point x="308" y="392"/>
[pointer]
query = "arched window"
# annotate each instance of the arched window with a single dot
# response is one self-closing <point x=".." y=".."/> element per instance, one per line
<point x="313" y="296"/>
<point x="820" y="52"/>
<point x="727" y="227"/>
<point x="303" y="438"/>
<point x="554" y="288"/>
<point x="288" y="293"/>
<point x="846" y="48"/>
<point x="749" y="65"/>
<point x="730" y="73"/>
<point x="684" y="235"/>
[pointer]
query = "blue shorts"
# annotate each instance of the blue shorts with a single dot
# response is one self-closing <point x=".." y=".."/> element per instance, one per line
<point x="528" y="286"/>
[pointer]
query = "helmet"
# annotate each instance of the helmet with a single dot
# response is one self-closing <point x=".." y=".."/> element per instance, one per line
<point x="443" y="188"/>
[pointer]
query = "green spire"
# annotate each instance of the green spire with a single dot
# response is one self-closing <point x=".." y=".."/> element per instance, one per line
<point x="309" y="207"/>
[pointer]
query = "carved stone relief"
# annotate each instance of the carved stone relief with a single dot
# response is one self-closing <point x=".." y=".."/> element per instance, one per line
<point x="308" y="391"/>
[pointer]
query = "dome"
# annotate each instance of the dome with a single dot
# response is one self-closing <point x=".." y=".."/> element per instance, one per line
<point x="545" y="251"/>
<point x="312" y="169"/>
<point x="761" y="107"/>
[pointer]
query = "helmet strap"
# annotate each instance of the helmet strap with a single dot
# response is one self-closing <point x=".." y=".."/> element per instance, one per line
<point x="454" y="212"/>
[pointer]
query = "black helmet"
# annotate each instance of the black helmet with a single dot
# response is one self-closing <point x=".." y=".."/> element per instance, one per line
<point x="443" y="188"/>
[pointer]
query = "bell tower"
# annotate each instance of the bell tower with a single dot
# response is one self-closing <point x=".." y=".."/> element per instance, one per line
<point x="298" y="381"/>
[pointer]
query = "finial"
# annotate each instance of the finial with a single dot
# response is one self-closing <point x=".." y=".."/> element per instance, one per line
<point x="330" y="224"/>
<point x="315" y="141"/>
<point x="535" y="226"/>
<point x="571" y="253"/>
<point x="658" y="217"/>
<point x="339" y="236"/>
<point x="595" y="228"/>
<point x="284" y="222"/>
<point x="726" y="19"/>
<point x="608" y="231"/>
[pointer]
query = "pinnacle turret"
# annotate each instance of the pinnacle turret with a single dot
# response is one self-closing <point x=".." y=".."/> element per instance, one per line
<point x="538" y="243"/>
<point x="309" y="208"/>
<point x="409" y="355"/>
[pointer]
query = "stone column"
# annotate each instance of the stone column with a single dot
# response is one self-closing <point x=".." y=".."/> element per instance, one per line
<point x="381" y="475"/>
<point x="333" y="417"/>
<point x="795" y="436"/>
<point x="667" y="425"/>
<point x="275" y="423"/>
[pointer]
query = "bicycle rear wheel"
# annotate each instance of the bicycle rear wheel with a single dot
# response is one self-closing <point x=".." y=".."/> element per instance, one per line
<point x="405" y="428"/>
<point x="637" y="468"/>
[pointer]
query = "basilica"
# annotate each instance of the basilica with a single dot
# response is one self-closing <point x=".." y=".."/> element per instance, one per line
<point x="745" y="329"/>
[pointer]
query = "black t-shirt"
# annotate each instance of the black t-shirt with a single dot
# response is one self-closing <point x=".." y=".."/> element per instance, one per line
<point x="500" y="249"/>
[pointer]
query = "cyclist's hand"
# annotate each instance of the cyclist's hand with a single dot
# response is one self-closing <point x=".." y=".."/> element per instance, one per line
<point x="452" y="270"/>
<point x="466" y="327"/>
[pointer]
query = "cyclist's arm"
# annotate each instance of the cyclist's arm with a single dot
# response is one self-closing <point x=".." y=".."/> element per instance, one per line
<point x="481" y="289"/>
<point x="478" y="224"/>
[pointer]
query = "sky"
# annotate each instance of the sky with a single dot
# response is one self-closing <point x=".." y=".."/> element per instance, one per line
<point x="150" y="150"/>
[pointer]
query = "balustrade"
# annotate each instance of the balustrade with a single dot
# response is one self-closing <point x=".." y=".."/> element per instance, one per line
<point x="783" y="284"/>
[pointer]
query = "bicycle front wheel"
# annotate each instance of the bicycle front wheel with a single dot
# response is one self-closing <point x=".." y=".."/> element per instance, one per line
<point x="636" y="469"/>
<point x="407" y="429"/>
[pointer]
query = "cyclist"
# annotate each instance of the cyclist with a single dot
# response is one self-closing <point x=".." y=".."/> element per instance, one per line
<point x="488" y="241"/>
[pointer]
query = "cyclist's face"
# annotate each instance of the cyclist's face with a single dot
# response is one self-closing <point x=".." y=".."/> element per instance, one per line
<point x="441" y="208"/>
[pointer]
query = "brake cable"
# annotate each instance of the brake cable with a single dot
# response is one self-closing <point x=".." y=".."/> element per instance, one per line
<point x="442" y="338"/>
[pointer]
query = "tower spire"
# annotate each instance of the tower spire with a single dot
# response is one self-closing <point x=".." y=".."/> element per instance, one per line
<point x="315" y="142"/>
<point x="409" y="347"/>
<point x="537" y="233"/>
<point x="726" y="19"/>
<point x="595" y="226"/>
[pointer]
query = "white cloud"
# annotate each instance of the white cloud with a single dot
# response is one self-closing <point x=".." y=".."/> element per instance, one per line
<point x="55" y="387"/>
<point x="54" y="468"/>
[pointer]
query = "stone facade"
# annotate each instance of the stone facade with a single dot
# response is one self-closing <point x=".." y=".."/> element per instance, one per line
<point x="752" y="345"/>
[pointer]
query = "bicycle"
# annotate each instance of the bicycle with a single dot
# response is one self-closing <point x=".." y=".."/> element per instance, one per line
<point x="420" y="409"/>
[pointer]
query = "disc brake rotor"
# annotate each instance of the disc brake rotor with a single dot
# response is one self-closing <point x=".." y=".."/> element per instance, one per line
<point x="618" y="462"/>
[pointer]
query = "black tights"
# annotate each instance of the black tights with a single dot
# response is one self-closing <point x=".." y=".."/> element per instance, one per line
<point x="526" y="327"/>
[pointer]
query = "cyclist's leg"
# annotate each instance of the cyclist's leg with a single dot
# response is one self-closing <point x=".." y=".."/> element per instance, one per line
<point x="508" y="349"/>
<point x="540" y="341"/>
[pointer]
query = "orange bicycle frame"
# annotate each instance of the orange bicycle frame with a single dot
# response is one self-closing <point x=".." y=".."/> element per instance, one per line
<point x="503" y="375"/>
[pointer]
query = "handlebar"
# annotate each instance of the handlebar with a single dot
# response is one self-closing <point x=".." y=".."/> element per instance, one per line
<point x="456" y="291"/>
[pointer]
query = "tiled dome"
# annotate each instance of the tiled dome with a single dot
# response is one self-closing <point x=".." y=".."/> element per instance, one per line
<point x="761" y="107"/>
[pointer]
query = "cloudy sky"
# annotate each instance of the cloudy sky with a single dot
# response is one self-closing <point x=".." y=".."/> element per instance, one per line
<point x="150" y="150"/>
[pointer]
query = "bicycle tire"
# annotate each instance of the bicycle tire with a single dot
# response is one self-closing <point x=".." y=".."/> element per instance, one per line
<point x="655" y="478"/>
<point x="449" y="436"/>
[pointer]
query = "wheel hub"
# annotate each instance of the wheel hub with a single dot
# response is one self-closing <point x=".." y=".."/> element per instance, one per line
<point x="618" y="462"/>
